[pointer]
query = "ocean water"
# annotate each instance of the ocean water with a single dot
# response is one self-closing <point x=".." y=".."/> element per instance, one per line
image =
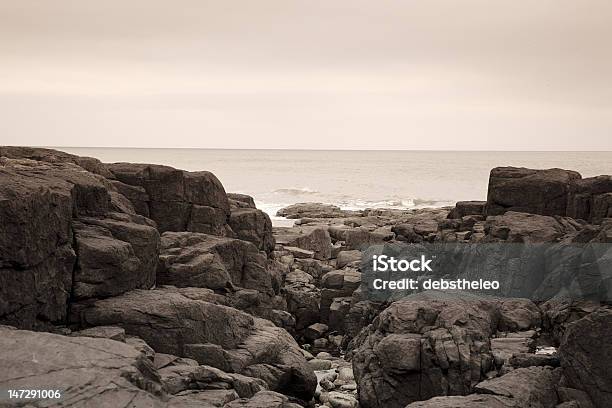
<point x="354" y="179"/>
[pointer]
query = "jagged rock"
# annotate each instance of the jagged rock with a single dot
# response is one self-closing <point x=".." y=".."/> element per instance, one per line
<point x="115" y="255"/>
<point x="590" y="199"/>
<point x="241" y="200"/>
<point x="559" y="312"/>
<point x="201" y="260"/>
<point x="178" y="200"/>
<point x="89" y="371"/>
<point x="38" y="201"/>
<point x="253" y="225"/>
<point x="176" y="321"/>
<point x="314" y="239"/>
<point x="90" y="164"/>
<point x="543" y="192"/>
<point x="586" y="356"/>
<point x="424" y="345"/>
<point x="463" y="208"/>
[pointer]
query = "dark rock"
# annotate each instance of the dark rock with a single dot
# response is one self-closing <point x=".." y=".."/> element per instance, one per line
<point x="253" y="225"/>
<point x="175" y="321"/>
<point x="89" y="371"/>
<point x="534" y="360"/>
<point x="241" y="200"/>
<point x="590" y="199"/>
<point x="586" y="355"/>
<point x="201" y="260"/>
<point x="525" y="228"/>
<point x="543" y="192"/>
<point x="314" y="239"/>
<point x="312" y="210"/>
<point x="178" y="200"/>
<point x="424" y="345"/>
<point x="463" y="208"/>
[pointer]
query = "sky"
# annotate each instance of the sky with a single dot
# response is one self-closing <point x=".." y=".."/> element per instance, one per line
<point x="307" y="74"/>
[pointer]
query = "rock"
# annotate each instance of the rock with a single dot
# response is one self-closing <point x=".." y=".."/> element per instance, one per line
<point x="348" y="257"/>
<point x="39" y="203"/>
<point x="103" y="332"/>
<point x="201" y="260"/>
<point x="299" y="253"/>
<point x="253" y="225"/>
<point x="360" y="238"/>
<point x="528" y="387"/>
<point x="525" y="228"/>
<point x="314" y="239"/>
<point x="428" y="344"/>
<point x="543" y="192"/>
<point x="589" y="199"/>
<point x="318" y="365"/>
<point x="175" y="321"/>
<point x="241" y="200"/>
<point x="114" y="256"/>
<point x="585" y="356"/>
<point x="523" y="360"/>
<point x="90" y="164"/>
<point x="518" y="314"/>
<point x="179" y="200"/>
<point x="89" y="371"/>
<point x="337" y="312"/>
<point x="315" y="331"/>
<point x="463" y="208"/>
<point x="341" y="400"/>
<point x="263" y="399"/>
<point x="312" y="210"/>
<point x="559" y="312"/>
<point x="504" y="348"/>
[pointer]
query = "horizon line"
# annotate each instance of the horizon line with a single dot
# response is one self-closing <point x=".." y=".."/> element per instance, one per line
<point x="324" y="149"/>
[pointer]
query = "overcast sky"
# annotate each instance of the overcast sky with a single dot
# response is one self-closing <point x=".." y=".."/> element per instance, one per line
<point x="330" y="74"/>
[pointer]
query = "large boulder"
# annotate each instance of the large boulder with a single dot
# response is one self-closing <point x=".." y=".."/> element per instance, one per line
<point x="316" y="239"/>
<point x="590" y="199"/>
<point x="207" y="261"/>
<point x="525" y="228"/>
<point x="117" y="253"/>
<point x="525" y="387"/>
<point x="177" y="200"/>
<point x="253" y="225"/>
<point x="87" y="371"/>
<point x="586" y="356"/>
<point x="38" y="203"/>
<point x="543" y="192"/>
<point x="428" y="344"/>
<point x="184" y="322"/>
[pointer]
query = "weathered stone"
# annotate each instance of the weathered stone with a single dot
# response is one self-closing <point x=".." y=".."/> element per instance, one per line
<point x="463" y="208"/>
<point x="89" y="371"/>
<point x="175" y="321"/>
<point x="586" y="355"/>
<point x="543" y="192"/>
<point x="253" y="225"/>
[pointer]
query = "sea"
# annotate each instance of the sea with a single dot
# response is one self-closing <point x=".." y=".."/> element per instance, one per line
<point x="354" y="179"/>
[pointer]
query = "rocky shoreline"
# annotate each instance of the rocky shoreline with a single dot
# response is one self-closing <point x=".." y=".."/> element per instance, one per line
<point x="143" y="285"/>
